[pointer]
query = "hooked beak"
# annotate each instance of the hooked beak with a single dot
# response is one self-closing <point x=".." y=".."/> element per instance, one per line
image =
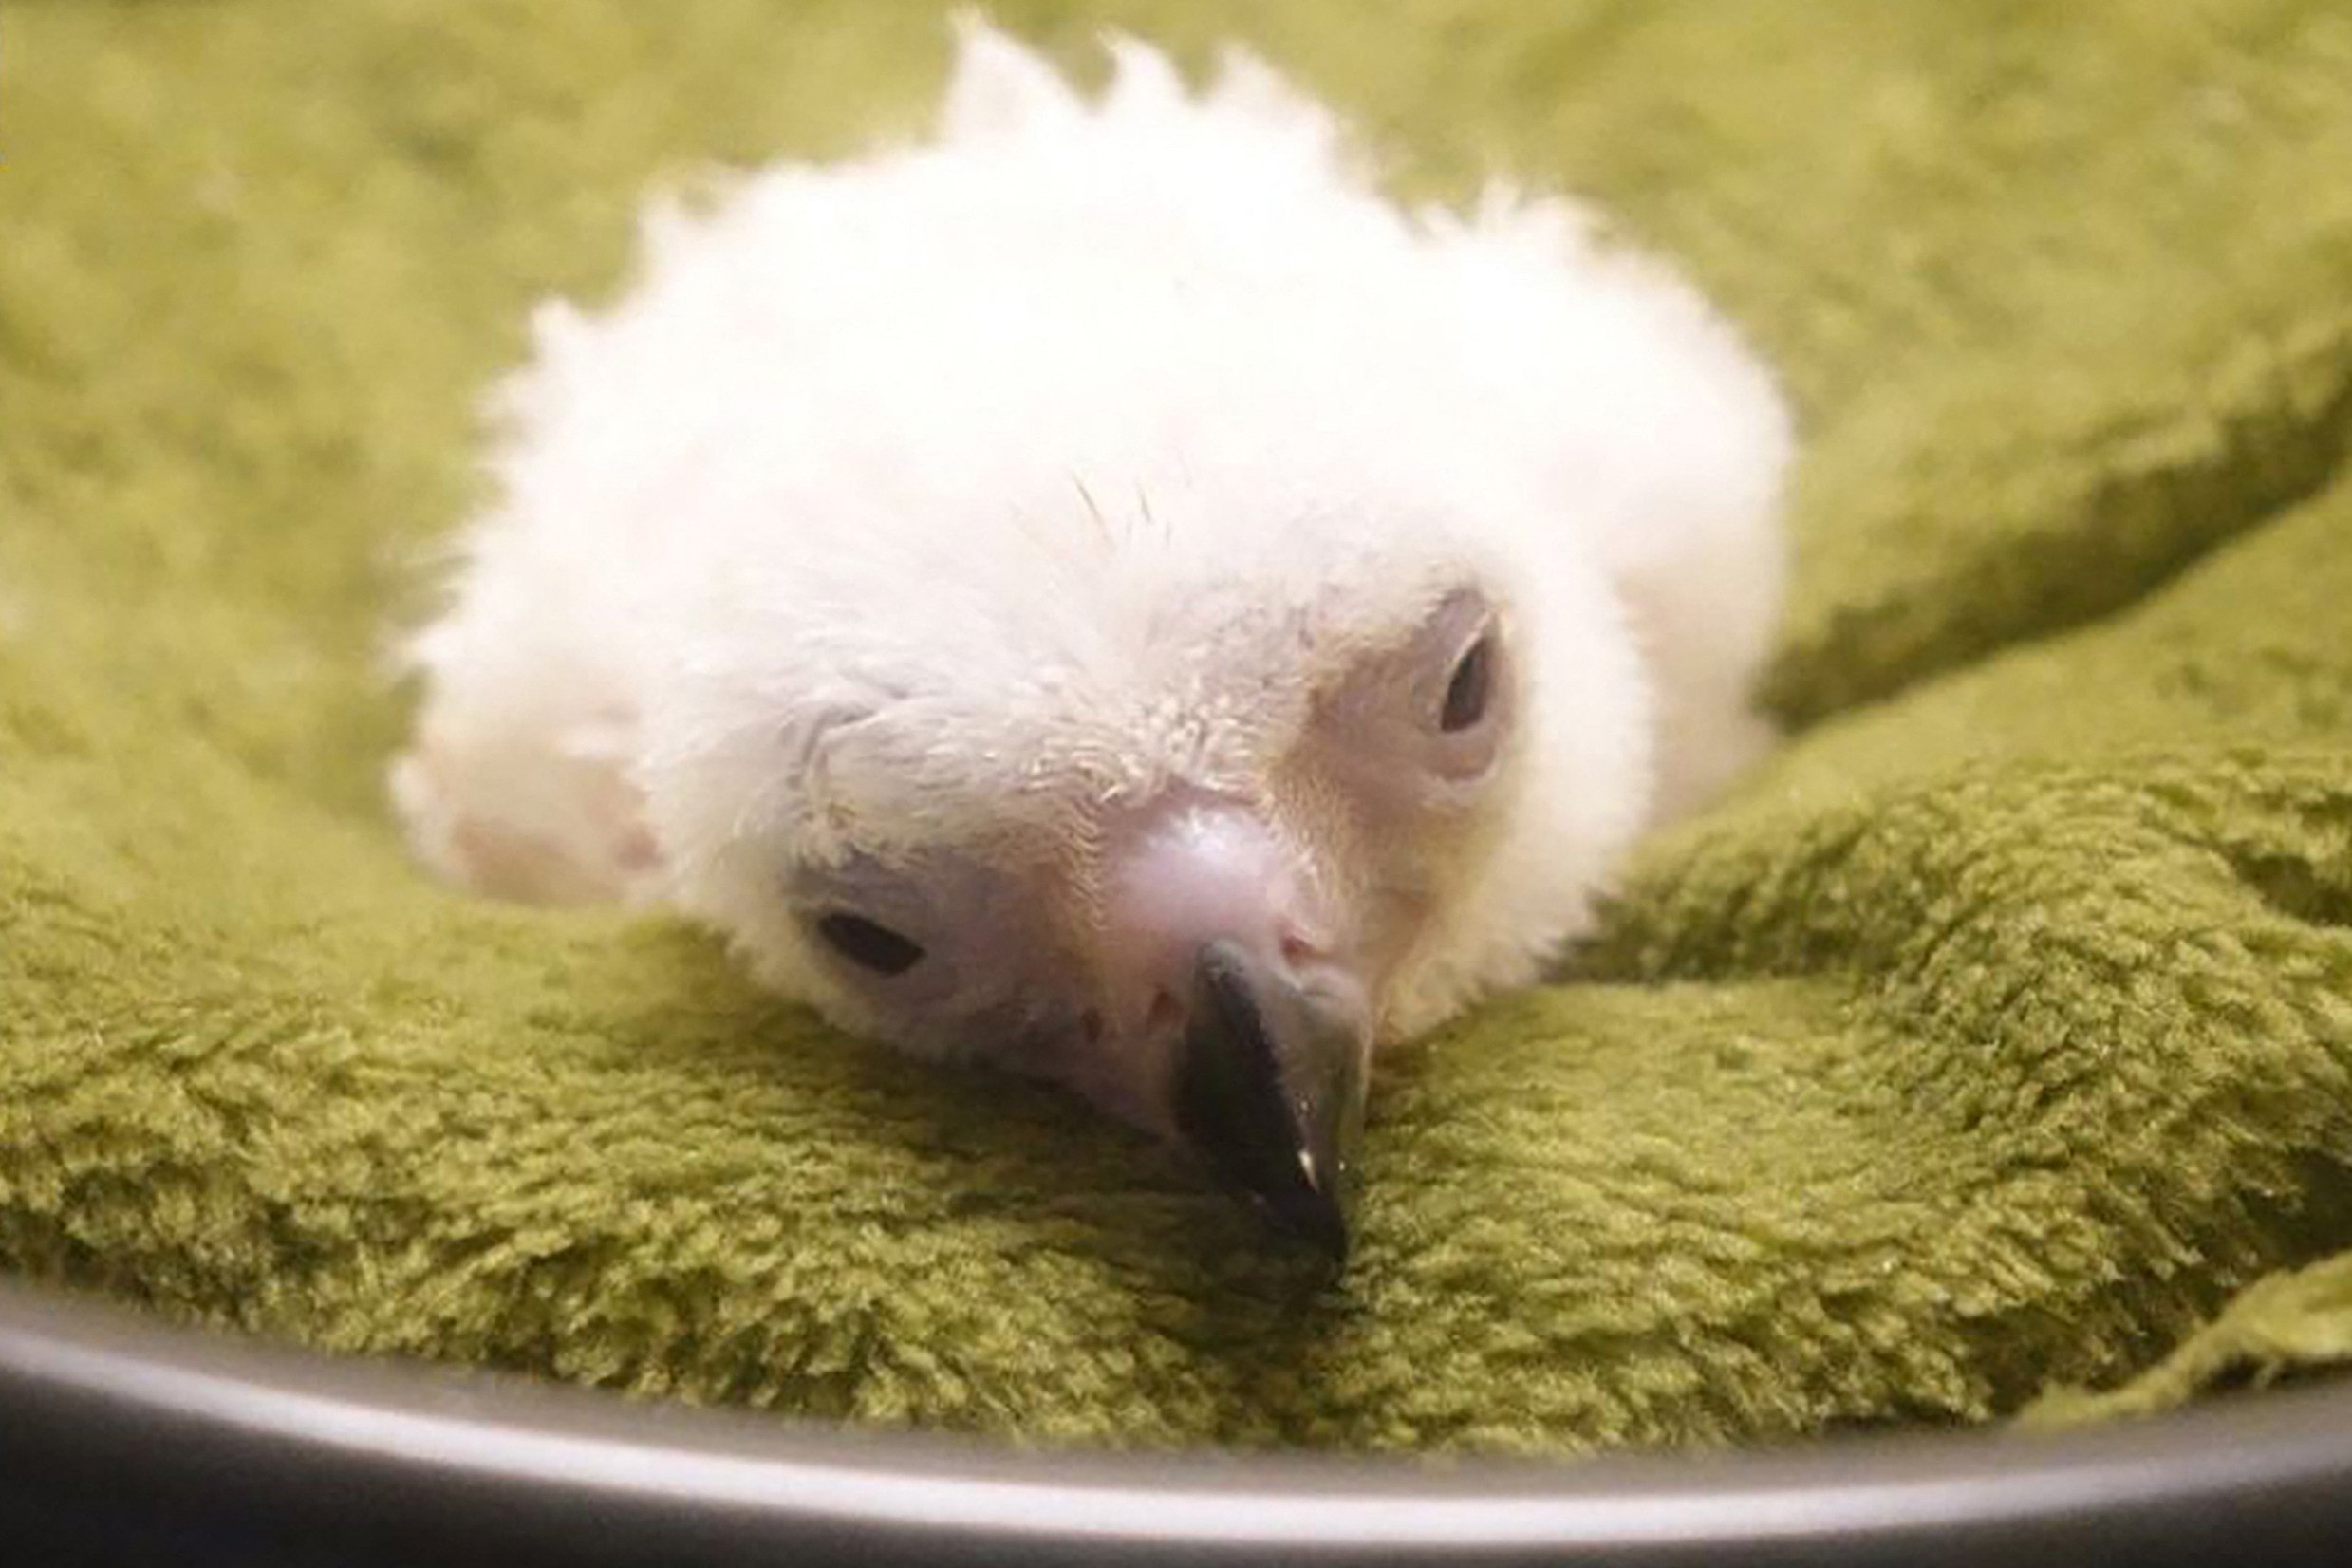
<point x="1268" y="1086"/>
<point x="1239" y="1022"/>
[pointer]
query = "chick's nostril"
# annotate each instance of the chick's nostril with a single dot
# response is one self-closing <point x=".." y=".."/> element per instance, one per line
<point x="1166" y="1012"/>
<point x="1298" y="951"/>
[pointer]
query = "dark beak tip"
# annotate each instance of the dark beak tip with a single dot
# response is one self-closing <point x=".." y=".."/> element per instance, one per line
<point x="1321" y="1224"/>
<point x="1269" y="1091"/>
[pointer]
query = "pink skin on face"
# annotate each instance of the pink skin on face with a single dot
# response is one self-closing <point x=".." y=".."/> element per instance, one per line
<point x="1194" y="869"/>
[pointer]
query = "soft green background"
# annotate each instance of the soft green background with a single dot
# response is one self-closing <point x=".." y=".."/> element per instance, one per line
<point x="1991" y="1040"/>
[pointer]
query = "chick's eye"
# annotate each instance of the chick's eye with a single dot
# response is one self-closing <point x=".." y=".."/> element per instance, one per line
<point x="1471" y="690"/>
<point x="867" y="944"/>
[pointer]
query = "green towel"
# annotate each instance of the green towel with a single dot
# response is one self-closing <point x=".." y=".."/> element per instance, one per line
<point x="1990" y="1040"/>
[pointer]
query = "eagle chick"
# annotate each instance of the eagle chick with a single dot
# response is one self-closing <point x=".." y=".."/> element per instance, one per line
<point x="1107" y="592"/>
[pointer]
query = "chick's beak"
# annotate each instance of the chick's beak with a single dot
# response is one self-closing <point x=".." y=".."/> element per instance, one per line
<point x="1268" y="1085"/>
<point x="1221" y="968"/>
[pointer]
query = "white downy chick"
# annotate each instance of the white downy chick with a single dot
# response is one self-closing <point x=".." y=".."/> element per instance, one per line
<point x="1108" y="594"/>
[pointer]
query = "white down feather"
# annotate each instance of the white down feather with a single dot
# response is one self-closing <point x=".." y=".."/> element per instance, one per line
<point x="940" y="494"/>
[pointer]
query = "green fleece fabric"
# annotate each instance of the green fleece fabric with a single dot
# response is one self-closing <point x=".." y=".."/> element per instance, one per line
<point x="1990" y="1040"/>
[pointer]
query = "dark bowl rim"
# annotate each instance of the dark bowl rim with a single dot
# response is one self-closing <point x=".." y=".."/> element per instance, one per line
<point x="89" y="1378"/>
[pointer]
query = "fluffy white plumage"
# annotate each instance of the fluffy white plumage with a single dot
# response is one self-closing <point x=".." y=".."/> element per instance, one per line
<point x="914" y="525"/>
